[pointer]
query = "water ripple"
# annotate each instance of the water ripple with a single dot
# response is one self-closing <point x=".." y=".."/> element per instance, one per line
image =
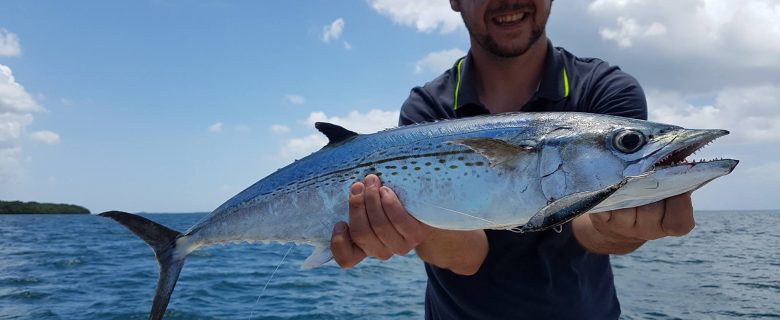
<point x="726" y="269"/>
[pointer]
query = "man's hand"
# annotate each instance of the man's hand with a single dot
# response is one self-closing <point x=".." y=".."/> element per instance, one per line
<point x="623" y="231"/>
<point x="379" y="226"/>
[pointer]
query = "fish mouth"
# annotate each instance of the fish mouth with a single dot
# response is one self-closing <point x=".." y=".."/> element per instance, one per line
<point x="676" y="153"/>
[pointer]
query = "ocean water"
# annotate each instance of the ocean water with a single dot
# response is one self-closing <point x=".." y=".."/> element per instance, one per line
<point x="88" y="267"/>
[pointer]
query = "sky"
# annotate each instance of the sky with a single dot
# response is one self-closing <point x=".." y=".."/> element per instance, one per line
<point x="175" y="106"/>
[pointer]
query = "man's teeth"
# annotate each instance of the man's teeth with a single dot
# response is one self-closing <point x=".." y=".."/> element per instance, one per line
<point x="511" y="18"/>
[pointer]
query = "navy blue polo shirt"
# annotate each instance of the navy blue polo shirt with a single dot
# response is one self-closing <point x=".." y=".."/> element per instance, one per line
<point x="540" y="275"/>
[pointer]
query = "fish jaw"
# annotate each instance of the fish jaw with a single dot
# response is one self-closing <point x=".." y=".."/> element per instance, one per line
<point x="674" y="148"/>
<point x="666" y="182"/>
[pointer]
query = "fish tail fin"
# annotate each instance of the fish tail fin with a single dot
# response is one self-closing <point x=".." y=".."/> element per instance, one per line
<point x="163" y="242"/>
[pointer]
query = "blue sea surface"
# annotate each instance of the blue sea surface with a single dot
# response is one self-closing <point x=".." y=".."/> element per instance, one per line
<point x="89" y="267"/>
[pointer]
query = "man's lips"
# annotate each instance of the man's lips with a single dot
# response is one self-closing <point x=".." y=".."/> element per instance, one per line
<point x="510" y="18"/>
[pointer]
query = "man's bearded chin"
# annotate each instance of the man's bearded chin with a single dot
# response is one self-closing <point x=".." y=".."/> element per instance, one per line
<point x="488" y="43"/>
<point x="491" y="45"/>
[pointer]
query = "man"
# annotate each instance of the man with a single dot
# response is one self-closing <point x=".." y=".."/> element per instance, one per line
<point x="491" y="274"/>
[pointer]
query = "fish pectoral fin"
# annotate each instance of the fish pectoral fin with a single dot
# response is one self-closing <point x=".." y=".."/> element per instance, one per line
<point x="569" y="207"/>
<point x="320" y="256"/>
<point x="336" y="134"/>
<point x="497" y="151"/>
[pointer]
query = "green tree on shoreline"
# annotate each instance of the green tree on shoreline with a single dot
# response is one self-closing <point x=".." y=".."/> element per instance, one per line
<point x="19" y="207"/>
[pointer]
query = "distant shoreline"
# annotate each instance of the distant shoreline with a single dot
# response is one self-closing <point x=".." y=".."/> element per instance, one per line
<point x="19" y="207"/>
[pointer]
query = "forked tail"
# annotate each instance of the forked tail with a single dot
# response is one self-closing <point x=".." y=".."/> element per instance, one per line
<point x="163" y="242"/>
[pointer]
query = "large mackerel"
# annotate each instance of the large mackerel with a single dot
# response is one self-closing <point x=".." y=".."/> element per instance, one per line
<point x="519" y="171"/>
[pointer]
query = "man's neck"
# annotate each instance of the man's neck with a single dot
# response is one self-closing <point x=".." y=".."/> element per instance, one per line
<point x="506" y="84"/>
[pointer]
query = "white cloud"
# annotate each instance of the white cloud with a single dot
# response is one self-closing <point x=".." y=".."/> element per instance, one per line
<point x="743" y="33"/>
<point x="347" y="46"/>
<point x="295" y="99"/>
<point x="424" y="15"/>
<point x="13" y="97"/>
<point x="692" y="46"/>
<point x="11" y="127"/>
<point x="216" y="128"/>
<point x="280" y="128"/>
<point x="301" y="147"/>
<point x="46" y="136"/>
<point x="439" y="61"/>
<point x="752" y="114"/>
<point x="16" y="108"/>
<point x="9" y="44"/>
<point x="629" y="29"/>
<point x="333" y="31"/>
<point x="10" y="167"/>
<point x="372" y="121"/>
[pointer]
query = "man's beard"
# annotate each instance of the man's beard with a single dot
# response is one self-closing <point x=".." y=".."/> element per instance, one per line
<point x="488" y="43"/>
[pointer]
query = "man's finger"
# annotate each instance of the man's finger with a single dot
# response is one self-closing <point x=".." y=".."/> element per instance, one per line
<point x="623" y="222"/>
<point x="379" y="222"/>
<point x="615" y="223"/>
<point x="345" y="252"/>
<point x="648" y="221"/>
<point x="601" y="217"/>
<point x="359" y="227"/>
<point x="678" y="217"/>
<point x="407" y="226"/>
<point x="600" y="221"/>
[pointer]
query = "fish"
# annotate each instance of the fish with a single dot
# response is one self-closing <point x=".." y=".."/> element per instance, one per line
<point x="523" y="172"/>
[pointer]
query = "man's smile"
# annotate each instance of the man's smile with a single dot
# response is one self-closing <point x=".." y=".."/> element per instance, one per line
<point x="510" y="19"/>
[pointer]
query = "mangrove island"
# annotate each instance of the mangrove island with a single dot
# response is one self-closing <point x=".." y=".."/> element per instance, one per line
<point x="19" y="207"/>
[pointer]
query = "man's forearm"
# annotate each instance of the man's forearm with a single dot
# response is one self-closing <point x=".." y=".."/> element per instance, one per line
<point x="461" y="252"/>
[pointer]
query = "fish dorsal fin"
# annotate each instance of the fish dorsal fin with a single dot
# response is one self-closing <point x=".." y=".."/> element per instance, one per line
<point x="335" y="133"/>
<point x="497" y="151"/>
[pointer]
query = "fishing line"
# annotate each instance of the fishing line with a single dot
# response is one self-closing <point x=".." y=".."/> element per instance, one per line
<point x="269" y="279"/>
<point x="458" y="212"/>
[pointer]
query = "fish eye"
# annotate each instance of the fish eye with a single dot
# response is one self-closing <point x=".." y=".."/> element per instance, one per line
<point x="629" y="141"/>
